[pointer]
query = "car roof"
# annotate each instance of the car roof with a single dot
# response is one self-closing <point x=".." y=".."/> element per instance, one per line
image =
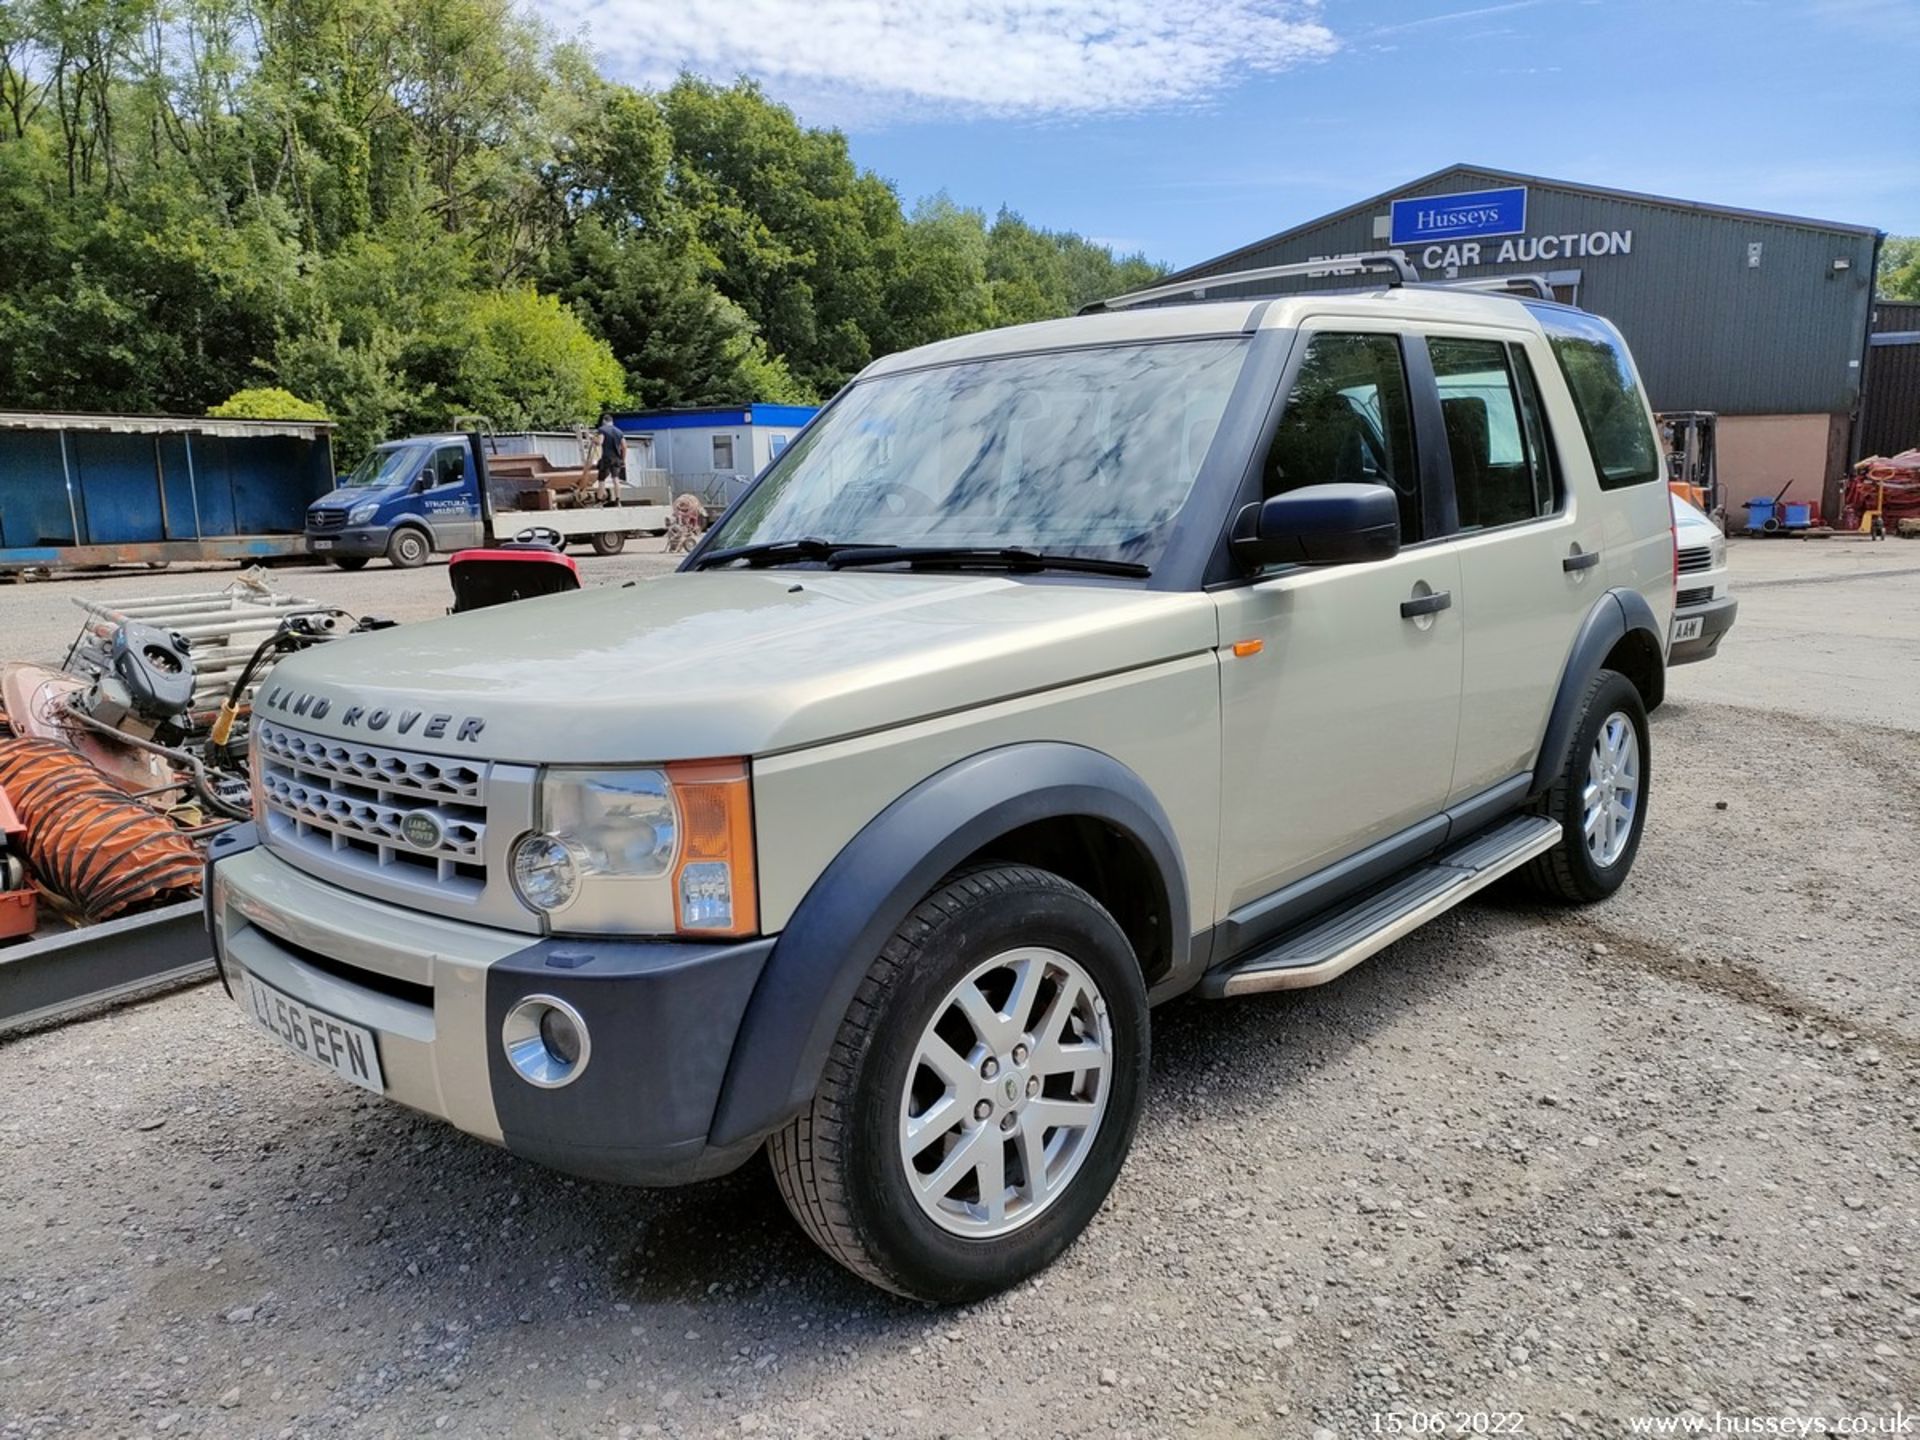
<point x="1409" y="304"/>
<point x="449" y="438"/>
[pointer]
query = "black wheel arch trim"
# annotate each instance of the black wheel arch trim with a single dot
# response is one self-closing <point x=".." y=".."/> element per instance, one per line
<point x="895" y="860"/>
<point x="1615" y="614"/>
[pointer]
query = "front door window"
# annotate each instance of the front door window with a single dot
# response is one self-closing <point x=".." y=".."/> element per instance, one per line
<point x="1347" y="420"/>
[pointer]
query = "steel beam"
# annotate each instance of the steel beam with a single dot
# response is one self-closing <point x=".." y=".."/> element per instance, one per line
<point x="63" y="976"/>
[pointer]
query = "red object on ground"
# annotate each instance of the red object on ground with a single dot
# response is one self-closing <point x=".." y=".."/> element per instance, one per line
<point x="12" y="832"/>
<point x="19" y="908"/>
<point x="1890" y="485"/>
<point x="86" y="842"/>
<point x="509" y="572"/>
<point x="19" y="914"/>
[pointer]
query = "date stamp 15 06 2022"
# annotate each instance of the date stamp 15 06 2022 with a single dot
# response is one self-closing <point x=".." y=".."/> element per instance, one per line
<point x="1448" y="1422"/>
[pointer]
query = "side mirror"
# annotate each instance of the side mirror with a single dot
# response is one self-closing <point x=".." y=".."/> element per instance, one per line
<point x="423" y="481"/>
<point x="1319" y="525"/>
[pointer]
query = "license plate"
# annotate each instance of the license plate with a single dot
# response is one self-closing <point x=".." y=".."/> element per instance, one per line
<point x="323" y="544"/>
<point x="347" y="1050"/>
<point x="1689" y="628"/>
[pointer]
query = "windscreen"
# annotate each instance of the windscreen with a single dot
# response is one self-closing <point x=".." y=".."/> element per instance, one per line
<point x="1084" y="452"/>
<point x="385" y="468"/>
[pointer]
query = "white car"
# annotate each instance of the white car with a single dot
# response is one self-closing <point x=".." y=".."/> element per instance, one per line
<point x="1703" y="605"/>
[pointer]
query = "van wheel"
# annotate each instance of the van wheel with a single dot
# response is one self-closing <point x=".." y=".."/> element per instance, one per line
<point x="1599" y="798"/>
<point x="982" y="1092"/>
<point x="350" y="562"/>
<point x="611" y="543"/>
<point x="408" y="549"/>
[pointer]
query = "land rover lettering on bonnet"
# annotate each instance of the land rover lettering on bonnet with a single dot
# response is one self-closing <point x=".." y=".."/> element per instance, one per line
<point x="305" y="704"/>
<point x="1048" y="674"/>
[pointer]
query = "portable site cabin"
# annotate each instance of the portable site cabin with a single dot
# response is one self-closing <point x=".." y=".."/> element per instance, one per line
<point x="115" y="489"/>
<point x="714" y="451"/>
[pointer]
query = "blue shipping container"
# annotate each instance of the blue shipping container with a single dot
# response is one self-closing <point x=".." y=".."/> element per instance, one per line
<point x="108" y="489"/>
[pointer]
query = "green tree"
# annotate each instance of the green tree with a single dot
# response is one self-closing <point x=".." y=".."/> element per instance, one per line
<point x="1899" y="277"/>
<point x="405" y="208"/>
<point x="679" y="341"/>
<point x="527" y="363"/>
<point x="266" y="402"/>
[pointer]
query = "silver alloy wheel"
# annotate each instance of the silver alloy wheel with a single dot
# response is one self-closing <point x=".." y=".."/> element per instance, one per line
<point x="1006" y="1092"/>
<point x="1611" y="798"/>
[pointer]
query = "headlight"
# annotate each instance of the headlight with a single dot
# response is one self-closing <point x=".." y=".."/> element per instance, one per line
<point x="361" y="514"/>
<point x="642" y="851"/>
<point x="1717" y="552"/>
<point x="545" y="874"/>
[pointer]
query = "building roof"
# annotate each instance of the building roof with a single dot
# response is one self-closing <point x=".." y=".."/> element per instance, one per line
<point x="1515" y="177"/>
<point x="163" y="424"/>
<point x="715" y="417"/>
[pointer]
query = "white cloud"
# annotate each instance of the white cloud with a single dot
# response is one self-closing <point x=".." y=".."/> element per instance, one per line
<point x="971" y="57"/>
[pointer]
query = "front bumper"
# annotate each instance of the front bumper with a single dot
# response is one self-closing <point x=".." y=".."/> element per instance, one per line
<point x="435" y="993"/>
<point x="1716" y="619"/>
<point x="361" y="542"/>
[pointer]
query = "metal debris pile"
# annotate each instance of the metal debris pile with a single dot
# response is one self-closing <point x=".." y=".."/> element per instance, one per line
<point x="116" y="767"/>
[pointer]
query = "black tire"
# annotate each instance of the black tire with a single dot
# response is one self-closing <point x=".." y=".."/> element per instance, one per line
<point x="1570" y="873"/>
<point x="350" y="562"/>
<point x="838" y="1164"/>
<point x="408" y="548"/>
<point x="610" y="543"/>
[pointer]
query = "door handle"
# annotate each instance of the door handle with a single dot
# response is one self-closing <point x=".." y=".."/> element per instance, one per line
<point x="1582" y="560"/>
<point x="1426" y="604"/>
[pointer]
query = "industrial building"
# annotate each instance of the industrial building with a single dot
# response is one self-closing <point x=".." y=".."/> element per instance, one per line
<point x="1760" y="318"/>
<point x="712" y="451"/>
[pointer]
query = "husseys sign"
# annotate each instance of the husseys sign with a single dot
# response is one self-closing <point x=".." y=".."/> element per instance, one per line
<point x="1452" y="231"/>
<point x="1427" y="218"/>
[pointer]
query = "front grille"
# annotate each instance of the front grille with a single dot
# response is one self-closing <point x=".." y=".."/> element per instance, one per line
<point x="326" y="520"/>
<point x="1695" y="558"/>
<point x="389" y="812"/>
<point x="1693" y="597"/>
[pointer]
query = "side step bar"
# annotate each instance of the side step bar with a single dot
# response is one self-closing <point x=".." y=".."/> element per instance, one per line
<point x="1335" y="942"/>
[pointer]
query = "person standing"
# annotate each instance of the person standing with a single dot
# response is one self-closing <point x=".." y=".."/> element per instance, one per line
<point x="613" y="454"/>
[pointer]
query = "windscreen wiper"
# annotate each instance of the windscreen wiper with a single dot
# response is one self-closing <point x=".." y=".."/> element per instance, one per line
<point x="1001" y="557"/>
<point x="775" y="552"/>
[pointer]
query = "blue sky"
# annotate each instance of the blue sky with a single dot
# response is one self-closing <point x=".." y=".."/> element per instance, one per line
<point x="1186" y="127"/>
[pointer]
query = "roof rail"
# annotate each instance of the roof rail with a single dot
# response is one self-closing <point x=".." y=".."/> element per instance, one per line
<point x="1537" y="286"/>
<point x="1389" y="262"/>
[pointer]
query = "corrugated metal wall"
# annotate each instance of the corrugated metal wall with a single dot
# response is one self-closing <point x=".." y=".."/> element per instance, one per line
<point x="1709" y="331"/>
<point x="136" y="487"/>
<point x="1890" y="419"/>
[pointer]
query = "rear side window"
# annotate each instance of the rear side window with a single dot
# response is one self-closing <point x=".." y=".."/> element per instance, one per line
<point x="1347" y="419"/>
<point x="1612" y="411"/>
<point x="1500" y="474"/>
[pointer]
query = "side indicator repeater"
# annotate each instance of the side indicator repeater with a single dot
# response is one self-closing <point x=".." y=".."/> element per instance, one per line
<point x="1242" y="649"/>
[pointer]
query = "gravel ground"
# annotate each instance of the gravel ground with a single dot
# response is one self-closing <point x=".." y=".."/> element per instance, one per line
<point x="1652" y="1157"/>
<point x="38" y="618"/>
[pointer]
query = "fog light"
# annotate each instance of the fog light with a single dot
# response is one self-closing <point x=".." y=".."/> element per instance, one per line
<point x="561" y="1036"/>
<point x="546" y="1042"/>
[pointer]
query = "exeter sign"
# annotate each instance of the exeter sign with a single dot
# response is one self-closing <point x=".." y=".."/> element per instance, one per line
<point x="1473" y="213"/>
